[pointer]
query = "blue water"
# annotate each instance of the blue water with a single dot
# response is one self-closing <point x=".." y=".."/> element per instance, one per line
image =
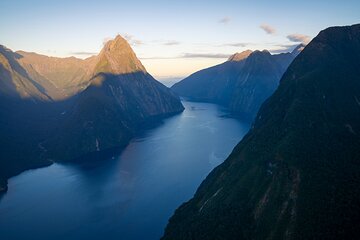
<point x="129" y="196"/>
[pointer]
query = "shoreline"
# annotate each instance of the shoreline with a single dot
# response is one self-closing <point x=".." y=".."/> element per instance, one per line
<point x="150" y="123"/>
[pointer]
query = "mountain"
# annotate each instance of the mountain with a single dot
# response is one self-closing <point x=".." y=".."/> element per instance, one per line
<point x="66" y="76"/>
<point x="296" y="174"/>
<point x="41" y="77"/>
<point x="120" y="98"/>
<point x="242" y="83"/>
<point x="15" y="81"/>
<point x="60" y="109"/>
<point x="237" y="57"/>
<point x="117" y="57"/>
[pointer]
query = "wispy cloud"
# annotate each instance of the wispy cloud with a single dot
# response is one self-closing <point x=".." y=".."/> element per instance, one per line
<point x="156" y="57"/>
<point x="268" y="29"/>
<point x="300" y="38"/>
<point x="106" y="39"/>
<point x="283" y="48"/>
<point x="132" y="40"/>
<point x="171" y="43"/>
<point x="190" y="55"/>
<point x="83" y="53"/>
<point x="239" y="44"/>
<point x="205" y="55"/>
<point x="225" y="20"/>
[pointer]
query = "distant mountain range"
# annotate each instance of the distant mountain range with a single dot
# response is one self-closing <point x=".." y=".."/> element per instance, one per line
<point x="296" y="174"/>
<point x="241" y="84"/>
<point x="59" y="109"/>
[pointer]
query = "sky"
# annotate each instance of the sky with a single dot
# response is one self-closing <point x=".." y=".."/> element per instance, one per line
<point x="172" y="38"/>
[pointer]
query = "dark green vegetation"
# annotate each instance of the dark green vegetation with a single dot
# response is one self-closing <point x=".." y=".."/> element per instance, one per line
<point x="59" y="109"/>
<point x="241" y="84"/>
<point x="296" y="174"/>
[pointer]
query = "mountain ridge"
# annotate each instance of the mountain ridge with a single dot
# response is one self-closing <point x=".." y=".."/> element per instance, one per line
<point x="62" y="78"/>
<point x="60" y="109"/>
<point x="240" y="56"/>
<point x="295" y="175"/>
<point x="241" y="84"/>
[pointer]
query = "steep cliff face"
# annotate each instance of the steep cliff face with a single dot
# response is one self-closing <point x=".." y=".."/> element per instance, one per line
<point x="117" y="57"/>
<point x="296" y="174"/>
<point x="20" y="95"/>
<point x="242" y="83"/>
<point x="257" y="80"/>
<point x="121" y="97"/>
<point x="60" y="109"/>
<point x="34" y="76"/>
<point x="61" y="78"/>
<point x="15" y="80"/>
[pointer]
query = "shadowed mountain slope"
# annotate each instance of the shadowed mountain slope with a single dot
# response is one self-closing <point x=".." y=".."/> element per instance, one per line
<point x="55" y="109"/>
<point x="242" y="83"/>
<point x="296" y="174"/>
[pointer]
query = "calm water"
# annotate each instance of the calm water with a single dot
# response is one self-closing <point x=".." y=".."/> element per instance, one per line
<point x="130" y="196"/>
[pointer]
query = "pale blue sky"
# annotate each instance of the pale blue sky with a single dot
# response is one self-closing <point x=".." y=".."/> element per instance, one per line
<point x="172" y="38"/>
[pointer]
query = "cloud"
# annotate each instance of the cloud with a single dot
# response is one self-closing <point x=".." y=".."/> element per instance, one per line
<point x="83" y="53"/>
<point x="157" y="57"/>
<point x="300" y="38"/>
<point x="283" y="48"/>
<point x="204" y="55"/>
<point x="268" y="29"/>
<point x="132" y="40"/>
<point x="224" y="20"/>
<point x="129" y="38"/>
<point x="171" y="43"/>
<point x="105" y="40"/>
<point x="190" y="55"/>
<point x="239" y="44"/>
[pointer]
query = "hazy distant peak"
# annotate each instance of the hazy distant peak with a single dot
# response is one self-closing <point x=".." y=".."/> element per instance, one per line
<point x="260" y="53"/>
<point x="240" y="56"/>
<point x="298" y="49"/>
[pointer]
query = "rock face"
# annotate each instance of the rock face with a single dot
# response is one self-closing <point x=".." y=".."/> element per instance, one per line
<point x="242" y="83"/>
<point x="41" y="77"/>
<point x="61" y="78"/>
<point x="117" y="57"/>
<point x="60" y="109"/>
<point x="296" y="174"/>
<point x="15" y="80"/>
<point x="240" y="56"/>
<point x="121" y="97"/>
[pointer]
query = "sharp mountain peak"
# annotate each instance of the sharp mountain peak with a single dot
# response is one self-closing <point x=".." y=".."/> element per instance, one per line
<point x="117" y="57"/>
